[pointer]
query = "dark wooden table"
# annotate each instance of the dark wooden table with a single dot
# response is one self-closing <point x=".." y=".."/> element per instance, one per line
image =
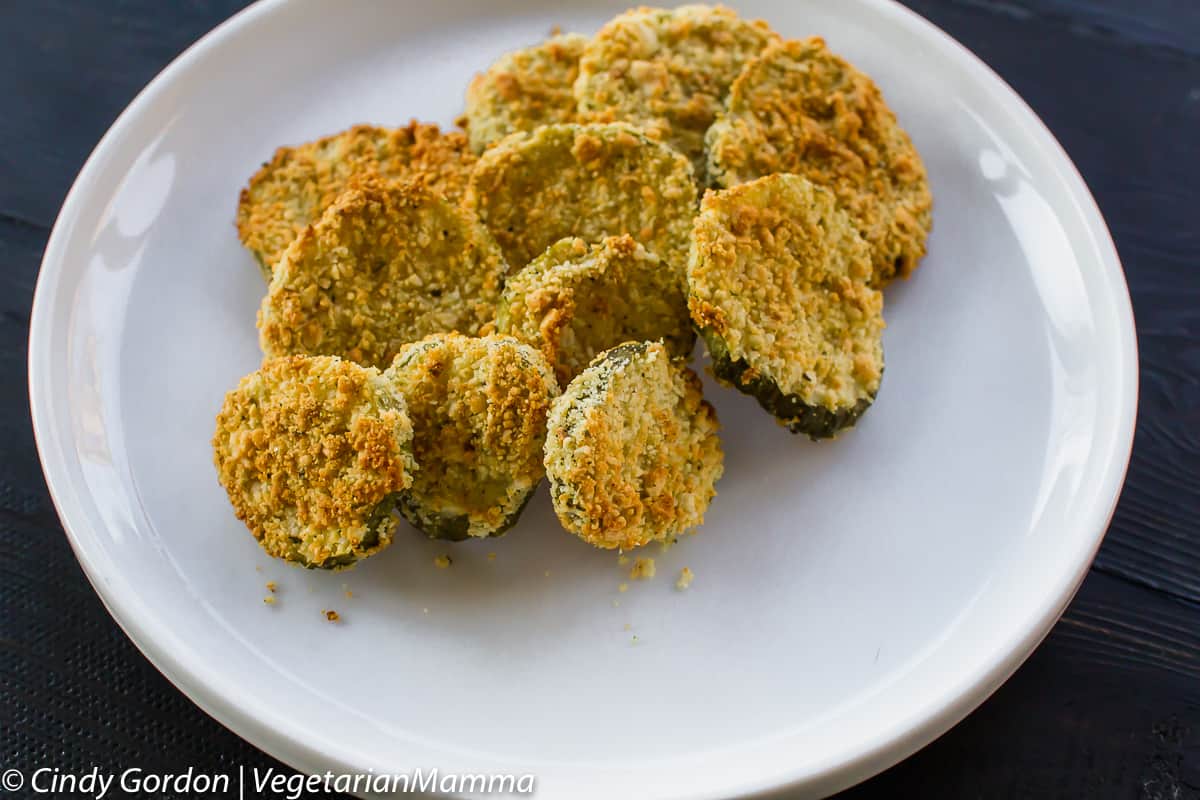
<point x="1108" y="706"/>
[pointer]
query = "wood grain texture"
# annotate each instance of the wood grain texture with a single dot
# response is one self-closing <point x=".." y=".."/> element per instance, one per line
<point x="1108" y="706"/>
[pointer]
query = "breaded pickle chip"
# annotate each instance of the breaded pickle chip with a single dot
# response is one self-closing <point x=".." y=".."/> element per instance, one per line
<point x="778" y="286"/>
<point x="799" y="108"/>
<point x="667" y="70"/>
<point x="632" y="451"/>
<point x="575" y="301"/>
<point x="478" y="408"/>
<point x="385" y="265"/>
<point x="524" y="89"/>
<point x="314" y="453"/>
<point x="294" y="187"/>
<point x="589" y="181"/>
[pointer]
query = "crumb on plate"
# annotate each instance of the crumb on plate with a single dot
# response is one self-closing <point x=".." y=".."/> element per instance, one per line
<point x="643" y="569"/>
<point x="685" y="578"/>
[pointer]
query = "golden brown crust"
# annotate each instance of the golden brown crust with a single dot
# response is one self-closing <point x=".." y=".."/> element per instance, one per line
<point x="524" y="89"/>
<point x="312" y="452"/>
<point x="589" y="181"/>
<point x="574" y="302"/>
<point x="478" y="407"/>
<point x="801" y="109"/>
<point x="632" y="451"/>
<point x="386" y="264"/>
<point x="667" y="71"/>
<point x="780" y="275"/>
<point x="298" y="183"/>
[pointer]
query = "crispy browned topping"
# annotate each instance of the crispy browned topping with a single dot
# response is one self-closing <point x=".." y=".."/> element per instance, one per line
<point x="478" y="407"/>
<point x="667" y="70"/>
<point x="575" y="301"/>
<point x="294" y="187"/>
<point x="312" y="452"/>
<point x="632" y="451"/>
<point x="523" y="90"/>
<point x="779" y="273"/>
<point x="385" y="265"/>
<point x="589" y="181"/>
<point x="799" y="108"/>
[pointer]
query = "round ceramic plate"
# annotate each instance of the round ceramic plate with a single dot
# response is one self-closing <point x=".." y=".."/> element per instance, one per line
<point x="853" y="599"/>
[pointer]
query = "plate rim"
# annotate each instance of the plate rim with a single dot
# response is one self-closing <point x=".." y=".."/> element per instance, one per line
<point x="859" y="763"/>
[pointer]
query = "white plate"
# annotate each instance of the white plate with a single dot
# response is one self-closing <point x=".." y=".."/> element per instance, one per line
<point x="853" y="599"/>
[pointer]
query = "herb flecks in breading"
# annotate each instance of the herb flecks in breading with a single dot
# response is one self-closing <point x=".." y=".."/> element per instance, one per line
<point x="632" y="451"/>
<point x="478" y="407"/>
<point x="799" y="108"/>
<point x="298" y="183"/>
<point x="587" y="181"/>
<point x="523" y="90"/>
<point x="575" y="301"/>
<point x="667" y="71"/>
<point x="386" y="264"/>
<point x="778" y="286"/>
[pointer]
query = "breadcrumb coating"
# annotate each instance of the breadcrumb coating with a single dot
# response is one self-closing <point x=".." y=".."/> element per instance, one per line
<point x="478" y="408"/>
<point x="778" y="285"/>
<point x="524" y="89"/>
<point x="799" y="108"/>
<point x="667" y="71"/>
<point x="632" y="451"/>
<point x="386" y="264"/>
<point x="313" y="453"/>
<point x="588" y="181"/>
<point x="292" y="189"/>
<point x="575" y="301"/>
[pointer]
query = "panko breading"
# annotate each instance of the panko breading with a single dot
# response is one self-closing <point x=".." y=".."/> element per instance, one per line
<point x="478" y="408"/>
<point x="575" y="301"/>
<point x="294" y="187"/>
<point x="313" y="453"/>
<point x="386" y="264"/>
<point x="589" y="181"/>
<point x="778" y="286"/>
<point x="632" y="451"/>
<point x="799" y="108"/>
<point x="524" y="89"/>
<point x="667" y="70"/>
